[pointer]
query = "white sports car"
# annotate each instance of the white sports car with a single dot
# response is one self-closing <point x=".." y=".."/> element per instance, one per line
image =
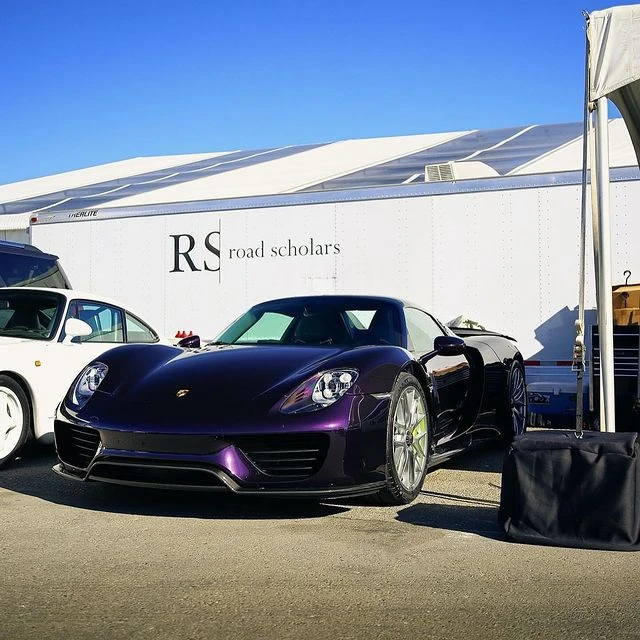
<point x="46" y="337"/>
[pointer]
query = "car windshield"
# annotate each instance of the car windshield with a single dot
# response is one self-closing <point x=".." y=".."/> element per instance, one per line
<point x="30" y="314"/>
<point x="352" y="322"/>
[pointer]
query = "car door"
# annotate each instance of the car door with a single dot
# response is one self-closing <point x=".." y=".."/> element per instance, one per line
<point x="449" y="374"/>
<point x="107" y="324"/>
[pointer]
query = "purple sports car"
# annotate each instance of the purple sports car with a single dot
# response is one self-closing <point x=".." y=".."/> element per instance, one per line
<point x="319" y="396"/>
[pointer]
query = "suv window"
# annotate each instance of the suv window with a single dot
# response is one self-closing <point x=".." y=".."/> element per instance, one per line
<point x="23" y="265"/>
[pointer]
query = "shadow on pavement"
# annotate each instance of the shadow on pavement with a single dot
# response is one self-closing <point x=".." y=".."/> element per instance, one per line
<point x="456" y="512"/>
<point x="485" y="457"/>
<point x="32" y="475"/>
<point x="467" y="515"/>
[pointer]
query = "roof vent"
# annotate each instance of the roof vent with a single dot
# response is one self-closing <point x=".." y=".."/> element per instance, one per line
<point x="450" y="171"/>
<point x="438" y="172"/>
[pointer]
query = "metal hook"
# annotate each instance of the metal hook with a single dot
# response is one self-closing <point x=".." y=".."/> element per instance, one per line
<point x="626" y="273"/>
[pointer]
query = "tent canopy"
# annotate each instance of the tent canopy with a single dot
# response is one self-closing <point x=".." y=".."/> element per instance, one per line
<point x="614" y="70"/>
<point x="614" y="74"/>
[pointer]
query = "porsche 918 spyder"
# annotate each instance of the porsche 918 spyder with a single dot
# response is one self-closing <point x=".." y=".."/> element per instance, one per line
<point x="319" y="396"/>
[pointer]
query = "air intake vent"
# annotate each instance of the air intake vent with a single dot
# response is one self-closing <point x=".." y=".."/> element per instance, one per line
<point x="297" y="455"/>
<point x="438" y="172"/>
<point x="156" y="473"/>
<point x="76" y="445"/>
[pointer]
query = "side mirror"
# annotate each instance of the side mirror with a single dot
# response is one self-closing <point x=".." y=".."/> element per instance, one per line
<point x="190" y="342"/>
<point x="449" y="345"/>
<point x="74" y="328"/>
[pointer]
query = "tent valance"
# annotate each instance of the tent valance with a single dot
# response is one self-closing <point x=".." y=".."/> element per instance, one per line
<point x="614" y="69"/>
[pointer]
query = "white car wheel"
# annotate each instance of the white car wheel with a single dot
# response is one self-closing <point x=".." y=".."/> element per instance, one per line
<point x="14" y="419"/>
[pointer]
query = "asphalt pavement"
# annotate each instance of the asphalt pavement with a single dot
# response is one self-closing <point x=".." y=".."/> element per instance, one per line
<point x="101" y="562"/>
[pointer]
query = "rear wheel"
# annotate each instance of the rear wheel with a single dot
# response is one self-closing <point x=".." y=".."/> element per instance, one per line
<point x="15" y="418"/>
<point x="408" y="433"/>
<point x="514" y="418"/>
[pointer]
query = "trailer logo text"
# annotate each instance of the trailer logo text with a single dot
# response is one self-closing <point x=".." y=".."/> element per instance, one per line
<point x="189" y="254"/>
<point x="85" y="213"/>
<point x="184" y="244"/>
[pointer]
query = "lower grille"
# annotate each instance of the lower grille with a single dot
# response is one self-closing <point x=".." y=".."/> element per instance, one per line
<point x="168" y="474"/>
<point x="297" y="455"/>
<point x="76" y="445"/>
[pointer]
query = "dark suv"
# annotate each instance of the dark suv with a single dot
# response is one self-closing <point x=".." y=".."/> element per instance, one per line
<point x="23" y="265"/>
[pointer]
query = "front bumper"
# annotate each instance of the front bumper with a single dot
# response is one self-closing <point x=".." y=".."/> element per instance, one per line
<point x="332" y="461"/>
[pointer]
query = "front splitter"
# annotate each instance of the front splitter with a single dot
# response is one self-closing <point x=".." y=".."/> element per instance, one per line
<point x="231" y="486"/>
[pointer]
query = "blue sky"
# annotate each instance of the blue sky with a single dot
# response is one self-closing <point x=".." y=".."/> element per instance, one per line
<point x="87" y="83"/>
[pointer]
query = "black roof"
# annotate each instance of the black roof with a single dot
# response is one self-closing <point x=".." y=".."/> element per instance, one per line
<point x="336" y="298"/>
<point x="22" y="249"/>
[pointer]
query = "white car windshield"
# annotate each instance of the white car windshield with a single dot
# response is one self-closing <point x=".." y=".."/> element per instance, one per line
<point x="30" y="314"/>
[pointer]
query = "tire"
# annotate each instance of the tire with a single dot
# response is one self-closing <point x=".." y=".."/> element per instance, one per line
<point x="15" y="419"/>
<point x="408" y="442"/>
<point x="513" y="419"/>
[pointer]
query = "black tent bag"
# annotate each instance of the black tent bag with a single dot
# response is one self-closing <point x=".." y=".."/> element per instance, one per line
<point x="558" y="489"/>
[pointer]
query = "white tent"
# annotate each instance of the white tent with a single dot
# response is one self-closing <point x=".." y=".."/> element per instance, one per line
<point x="614" y="70"/>
<point x="613" y="73"/>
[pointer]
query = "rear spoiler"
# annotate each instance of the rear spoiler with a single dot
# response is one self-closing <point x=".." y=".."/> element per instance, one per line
<point x="466" y="332"/>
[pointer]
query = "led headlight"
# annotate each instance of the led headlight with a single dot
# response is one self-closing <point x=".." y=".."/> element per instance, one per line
<point x="87" y="383"/>
<point x="319" y="391"/>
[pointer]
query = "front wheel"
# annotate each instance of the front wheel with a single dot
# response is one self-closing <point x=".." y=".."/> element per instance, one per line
<point x="15" y="418"/>
<point x="408" y="442"/>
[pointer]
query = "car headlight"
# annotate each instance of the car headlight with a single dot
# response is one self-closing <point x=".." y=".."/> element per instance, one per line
<point x="87" y="383"/>
<point x="320" y="391"/>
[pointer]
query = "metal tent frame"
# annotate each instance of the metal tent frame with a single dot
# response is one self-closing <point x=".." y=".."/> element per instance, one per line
<point x="613" y="73"/>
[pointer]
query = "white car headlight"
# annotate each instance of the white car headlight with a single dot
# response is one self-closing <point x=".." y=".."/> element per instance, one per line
<point x="320" y="391"/>
<point x="87" y="383"/>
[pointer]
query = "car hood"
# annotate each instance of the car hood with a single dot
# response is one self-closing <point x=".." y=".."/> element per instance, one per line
<point x="7" y="341"/>
<point x="227" y="383"/>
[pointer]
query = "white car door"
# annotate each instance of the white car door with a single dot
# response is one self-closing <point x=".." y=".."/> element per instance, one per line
<point x="39" y="361"/>
<point x="66" y="357"/>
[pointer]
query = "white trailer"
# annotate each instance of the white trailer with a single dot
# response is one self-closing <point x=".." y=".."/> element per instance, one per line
<point x="503" y="251"/>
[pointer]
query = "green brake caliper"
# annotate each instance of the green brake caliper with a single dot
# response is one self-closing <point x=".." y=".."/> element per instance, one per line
<point x="418" y="432"/>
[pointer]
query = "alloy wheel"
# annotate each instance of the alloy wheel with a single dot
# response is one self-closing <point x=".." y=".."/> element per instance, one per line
<point x="11" y="421"/>
<point x="410" y="438"/>
<point x="518" y="401"/>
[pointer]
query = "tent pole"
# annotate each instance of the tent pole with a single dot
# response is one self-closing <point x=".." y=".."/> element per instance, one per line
<point x="594" y="234"/>
<point x="579" y="352"/>
<point x="605" y="305"/>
